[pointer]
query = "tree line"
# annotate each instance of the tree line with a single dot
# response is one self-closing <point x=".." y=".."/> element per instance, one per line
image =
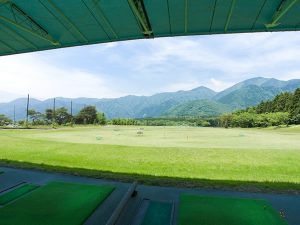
<point x="284" y="109"/>
<point x="163" y="121"/>
<point x="60" y="116"/>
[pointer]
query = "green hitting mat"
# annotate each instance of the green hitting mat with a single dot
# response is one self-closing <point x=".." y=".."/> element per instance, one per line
<point x="16" y="193"/>
<point x="55" y="203"/>
<point x="158" y="213"/>
<point x="204" y="210"/>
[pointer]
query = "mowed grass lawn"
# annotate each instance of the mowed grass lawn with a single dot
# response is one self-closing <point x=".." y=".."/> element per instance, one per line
<point x="189" y="155"/>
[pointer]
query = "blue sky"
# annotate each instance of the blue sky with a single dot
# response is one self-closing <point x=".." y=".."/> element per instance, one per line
<point x="145" y="67"/>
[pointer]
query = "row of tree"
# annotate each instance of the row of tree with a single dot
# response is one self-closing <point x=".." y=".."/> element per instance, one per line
<point x="162" y="121"/>
<point x="284" y="109"/>
<point x="61" y="116"/>
<point x="252" y="119"/>
<point x="285" y="102"/>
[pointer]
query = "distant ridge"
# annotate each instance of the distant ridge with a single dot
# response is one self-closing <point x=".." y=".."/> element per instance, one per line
<point x="252" y="91"/>
<point x="200" y="101"/>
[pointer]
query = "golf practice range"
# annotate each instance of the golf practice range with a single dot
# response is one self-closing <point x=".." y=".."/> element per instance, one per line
<point x="167" y="176"/>
<point x="248" y="193"/>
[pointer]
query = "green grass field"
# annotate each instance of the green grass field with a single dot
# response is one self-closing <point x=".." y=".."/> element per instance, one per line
<point x="185" y="156"/>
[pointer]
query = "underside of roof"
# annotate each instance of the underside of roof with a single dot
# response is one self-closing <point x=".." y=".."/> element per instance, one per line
<point x="34" y="25"/>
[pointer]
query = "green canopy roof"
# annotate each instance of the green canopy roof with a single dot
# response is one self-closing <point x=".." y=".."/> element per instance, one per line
<point x="34" y="25"/>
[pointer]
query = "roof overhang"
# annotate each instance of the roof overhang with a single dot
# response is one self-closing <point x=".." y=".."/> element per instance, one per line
<point x="35" y="25"/>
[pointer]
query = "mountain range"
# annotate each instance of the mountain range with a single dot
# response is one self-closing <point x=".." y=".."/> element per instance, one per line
<point x="200" y="101"/>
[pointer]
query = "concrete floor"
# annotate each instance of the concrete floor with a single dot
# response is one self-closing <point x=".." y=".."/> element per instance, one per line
<point x="131" y="214"/>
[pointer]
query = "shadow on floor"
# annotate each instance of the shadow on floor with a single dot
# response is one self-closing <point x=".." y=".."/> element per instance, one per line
<point x="252" y="186"/>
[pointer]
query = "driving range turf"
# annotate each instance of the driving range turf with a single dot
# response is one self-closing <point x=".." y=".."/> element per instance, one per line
<point x="196" y="210"/>
<point x="158" y="213"/>
<point x="192" y="156"/>
<point x="55" y="203"/>
<point x="63" y="203"/>
<point x="16" y="193"/>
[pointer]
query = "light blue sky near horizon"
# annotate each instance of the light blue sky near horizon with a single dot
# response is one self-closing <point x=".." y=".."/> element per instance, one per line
<point x="146" y="67"/>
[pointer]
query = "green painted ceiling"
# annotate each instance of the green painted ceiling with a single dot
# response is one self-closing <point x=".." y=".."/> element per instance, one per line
<point x="34" y="25"/>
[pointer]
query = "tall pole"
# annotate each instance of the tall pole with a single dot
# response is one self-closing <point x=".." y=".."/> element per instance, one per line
<point x="71" y="113"/>
<point x="53" y="113"/>
<point x="71" y="108"/>
<point x="14" y="114"/>
<point x="27" y="110"/>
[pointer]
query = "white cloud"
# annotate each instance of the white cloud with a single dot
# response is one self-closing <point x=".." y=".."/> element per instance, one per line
<point x="235" y="56"/>
<point x="219" y="85"/>
<point x="29" y="73"/>
<point x="149" y="66"/>
<point x="103" y="47"/>
<point x="181" y="86"/>
<point x="292" y="75"/>
<point x="8" y="96"/>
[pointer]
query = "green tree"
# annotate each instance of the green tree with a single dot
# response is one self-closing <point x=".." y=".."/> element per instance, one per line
<point x="243" y="119"/>
<point x="4" y="120"/>
<point x="287" y="103"/>
<point x="226" y="120"/>
<point x="35" y="116"/>
<point x="101" y="118"/>
<point x="87" y="115"/>
<point x="295" y="107"/>
<point x="48" y="115"/>
<point x="281" y="102"/>
<point x="62" y="116"/>
<point x="278" y="118"/>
